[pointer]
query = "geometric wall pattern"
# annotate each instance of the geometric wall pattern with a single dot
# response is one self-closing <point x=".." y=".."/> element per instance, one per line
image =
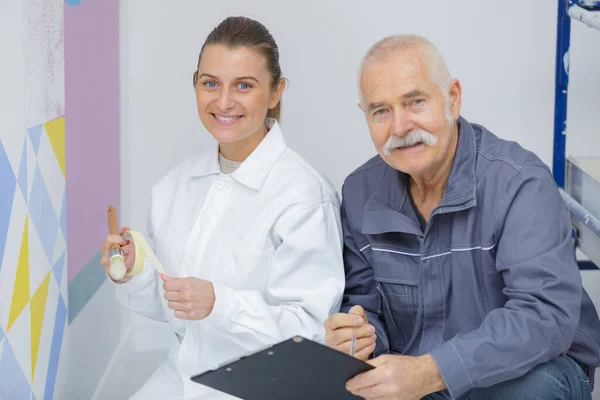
<point x="33" y="213"/>
<point x="59" y="169"/>
<point x="33" y="282"/>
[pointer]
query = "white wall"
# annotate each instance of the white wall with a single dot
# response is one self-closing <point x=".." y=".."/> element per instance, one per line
<point x="503" y="53"/>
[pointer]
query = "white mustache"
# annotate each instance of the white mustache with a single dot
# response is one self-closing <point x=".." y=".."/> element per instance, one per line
<point x="410" y="139"/>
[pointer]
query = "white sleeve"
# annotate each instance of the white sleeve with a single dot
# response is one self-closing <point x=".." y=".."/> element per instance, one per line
<point x="141" y="294"/>
<point x="305" y="284"/>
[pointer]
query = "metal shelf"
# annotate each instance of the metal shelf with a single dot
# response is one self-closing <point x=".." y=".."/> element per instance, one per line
<point x="590" y="18"/>
<point x="582" y="192"/>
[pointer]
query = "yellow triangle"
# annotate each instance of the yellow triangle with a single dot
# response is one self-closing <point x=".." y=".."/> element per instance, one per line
<point x="56" y="134"/>
<point x="21" y="289"/>
<point x="38" y="305"/>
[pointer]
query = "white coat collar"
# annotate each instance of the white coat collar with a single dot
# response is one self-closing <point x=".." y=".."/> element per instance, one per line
<point x="253" y="171"/>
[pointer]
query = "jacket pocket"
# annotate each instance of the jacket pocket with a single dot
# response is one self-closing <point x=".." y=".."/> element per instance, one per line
<point x="397" y="277"/>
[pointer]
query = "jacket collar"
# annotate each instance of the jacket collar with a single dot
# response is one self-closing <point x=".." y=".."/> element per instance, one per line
<point x="253" y="171"/>
<point x="387" y="209"/>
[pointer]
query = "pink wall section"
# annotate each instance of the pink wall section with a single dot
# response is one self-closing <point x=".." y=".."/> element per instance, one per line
<point x="92" y="125"/>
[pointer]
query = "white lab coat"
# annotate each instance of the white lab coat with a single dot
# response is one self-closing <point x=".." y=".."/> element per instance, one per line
<point x="267" y="235"/>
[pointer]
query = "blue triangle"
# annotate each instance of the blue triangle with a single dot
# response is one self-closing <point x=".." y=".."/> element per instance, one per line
<point x="7" y="194"/>
<point x="13" y="384"/>
<point x="1" y="334"/>
<point x="57" y="338"/>
<point x="23" y="172"/>
<point x="59" y="267"/>
<point x="63" y="215"/>
<point x="42" y="214"/>
<point x="35" y="135"/>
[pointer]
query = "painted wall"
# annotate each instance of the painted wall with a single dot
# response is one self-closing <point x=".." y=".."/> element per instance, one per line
<point x="59" y="170"/>
<point x="33" y="193"/>
<point x="92" y="110"/>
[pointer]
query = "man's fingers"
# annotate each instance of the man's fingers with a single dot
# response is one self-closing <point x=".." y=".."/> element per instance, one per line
<point x="374" y="392"/>
<point x="364" y="354"/>
<point x="377" y="361"/>
<point x="342" y="320"/>
<point x="344" y="334"/>
<point x="358" y="311"/>
<point x="361" y="344"/>
<point x="364" y="381"/>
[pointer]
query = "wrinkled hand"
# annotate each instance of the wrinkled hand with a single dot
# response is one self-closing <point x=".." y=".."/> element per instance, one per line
<point x="339" y="328"/>
<point x="127" y="248"/>
<point x="398" y="377"/>
<point x="190" y="298"/>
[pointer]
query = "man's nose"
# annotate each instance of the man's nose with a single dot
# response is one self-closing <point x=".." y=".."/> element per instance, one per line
<point x="401" y="123"/>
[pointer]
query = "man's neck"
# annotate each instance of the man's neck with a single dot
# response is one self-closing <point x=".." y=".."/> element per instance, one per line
<point x="427" y="190"/>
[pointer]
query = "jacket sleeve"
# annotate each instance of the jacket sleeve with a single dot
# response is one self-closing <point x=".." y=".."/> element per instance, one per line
<point x="304" y="286"/>
<point x="141" y="294"/>
<point x="361" y="287"/>
<point x="536" y="258"/>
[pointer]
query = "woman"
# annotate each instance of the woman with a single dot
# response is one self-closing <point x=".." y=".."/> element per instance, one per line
<point x="249" y="234"/>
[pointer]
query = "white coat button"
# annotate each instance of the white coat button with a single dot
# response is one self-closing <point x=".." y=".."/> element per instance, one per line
<point x="220" y="185"/>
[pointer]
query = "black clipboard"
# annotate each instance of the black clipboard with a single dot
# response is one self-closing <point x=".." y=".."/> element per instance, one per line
<point x="297" y="368"/>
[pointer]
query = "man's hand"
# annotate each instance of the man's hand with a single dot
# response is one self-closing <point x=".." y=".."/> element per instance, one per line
<point x="398" y="377"/>
<point x="190" y="298"/>
<point x="339" y="329"/>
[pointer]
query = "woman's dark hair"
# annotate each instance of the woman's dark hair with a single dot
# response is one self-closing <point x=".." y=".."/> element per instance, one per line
<point x="245" y="32"/>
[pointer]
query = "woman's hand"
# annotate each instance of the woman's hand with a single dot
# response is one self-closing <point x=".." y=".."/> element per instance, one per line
<point x="128" y="252"/>
<point x="190" y="298"/>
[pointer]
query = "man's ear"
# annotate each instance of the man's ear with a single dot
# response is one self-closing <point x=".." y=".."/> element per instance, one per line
<point x="455" y="95"/>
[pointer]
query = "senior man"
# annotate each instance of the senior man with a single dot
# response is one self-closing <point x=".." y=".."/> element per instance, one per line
<point x="461" y="277"/>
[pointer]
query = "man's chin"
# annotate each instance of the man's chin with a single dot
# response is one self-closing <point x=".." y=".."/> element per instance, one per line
<point x="407" y="162"/>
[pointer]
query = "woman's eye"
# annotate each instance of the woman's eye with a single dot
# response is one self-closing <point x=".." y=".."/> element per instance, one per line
<point x="244" y="86"/>
<point x="210" y="84"/>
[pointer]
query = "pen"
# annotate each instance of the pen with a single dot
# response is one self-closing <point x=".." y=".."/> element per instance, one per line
<point x="353" y="343"/>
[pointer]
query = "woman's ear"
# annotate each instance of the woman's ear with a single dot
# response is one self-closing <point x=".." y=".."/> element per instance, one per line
<point x="277" y="93"/>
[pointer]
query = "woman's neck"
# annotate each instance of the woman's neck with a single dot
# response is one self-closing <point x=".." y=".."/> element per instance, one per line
<point x="241" y="149"/>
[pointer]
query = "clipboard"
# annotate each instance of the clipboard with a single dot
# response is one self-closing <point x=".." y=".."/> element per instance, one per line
<point x="297" y="368"/>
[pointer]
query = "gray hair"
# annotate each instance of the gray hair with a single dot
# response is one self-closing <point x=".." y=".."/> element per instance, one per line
<point x="438" y="70"/>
